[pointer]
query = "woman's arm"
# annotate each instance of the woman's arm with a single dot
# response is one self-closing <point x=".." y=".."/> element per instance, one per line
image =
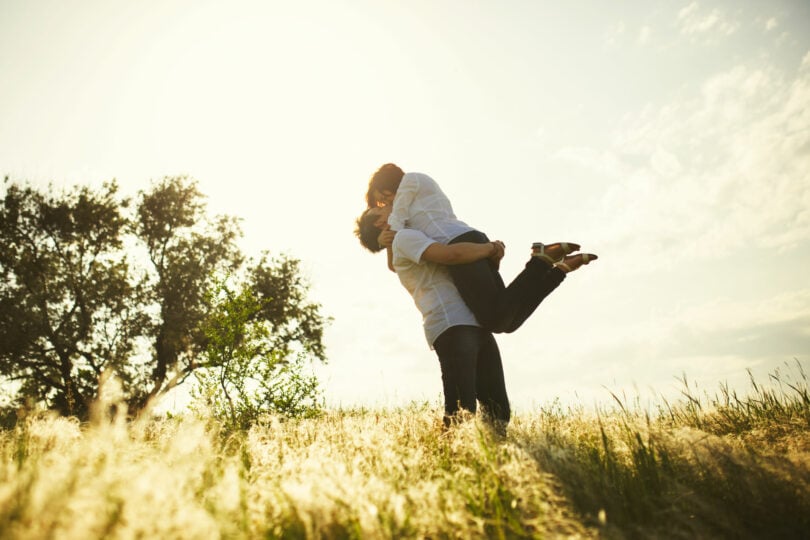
<point x="406" y="193"/>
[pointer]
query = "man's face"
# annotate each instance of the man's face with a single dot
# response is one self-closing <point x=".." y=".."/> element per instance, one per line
<point x="381" y="217"/>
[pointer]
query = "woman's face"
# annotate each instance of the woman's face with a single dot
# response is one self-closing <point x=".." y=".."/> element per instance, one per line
<point x="384" y="197"/>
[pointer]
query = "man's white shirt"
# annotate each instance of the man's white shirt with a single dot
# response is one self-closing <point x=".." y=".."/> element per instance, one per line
<point x="430" y="285"/>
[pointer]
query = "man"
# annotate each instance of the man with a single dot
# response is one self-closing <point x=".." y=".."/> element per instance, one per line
<point x="468" y="355"/>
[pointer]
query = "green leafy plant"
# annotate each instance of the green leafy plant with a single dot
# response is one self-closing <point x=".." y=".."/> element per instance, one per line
<point x="244" y="375"/>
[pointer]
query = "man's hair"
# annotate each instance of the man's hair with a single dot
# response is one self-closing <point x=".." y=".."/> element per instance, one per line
<point x="367" y="232"/>
<point x="387" y="178"/>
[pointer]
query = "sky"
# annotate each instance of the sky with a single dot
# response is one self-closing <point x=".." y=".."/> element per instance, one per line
<point x="670" y="138"/>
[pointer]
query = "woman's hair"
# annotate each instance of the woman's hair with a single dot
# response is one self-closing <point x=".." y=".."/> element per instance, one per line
<point x="387" y="178"/>
<point x="367" y="232"/>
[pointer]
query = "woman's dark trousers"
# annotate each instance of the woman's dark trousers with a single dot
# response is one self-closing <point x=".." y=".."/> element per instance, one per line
<point x="500" y="308"/>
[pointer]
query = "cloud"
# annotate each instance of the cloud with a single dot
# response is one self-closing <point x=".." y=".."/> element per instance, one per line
<point x="770" y="24"/>
<point x="693" y="21"/>
<point x="712" y="341"/>
<point x="727" y="165"/>
<point x="732" y="321"/>
<point x="614" y="33"/>
<point x="644" y="35"/>
<point x="688" y="11"/>
<point x="770" y="326"/>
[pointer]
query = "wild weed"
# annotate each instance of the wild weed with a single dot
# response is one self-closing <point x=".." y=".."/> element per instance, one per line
<point x="723" y="466"/>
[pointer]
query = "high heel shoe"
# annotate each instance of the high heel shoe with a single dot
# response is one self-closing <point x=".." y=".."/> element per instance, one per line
<point x="569" y="264"/>
<point x="540" y="250"/>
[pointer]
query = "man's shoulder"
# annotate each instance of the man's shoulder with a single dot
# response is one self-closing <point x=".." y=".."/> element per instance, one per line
<point x="410" y="244"/>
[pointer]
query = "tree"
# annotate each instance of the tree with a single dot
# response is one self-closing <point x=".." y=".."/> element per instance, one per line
<point x="295" y="323"/>
<point x="186" y="249"/>
<point x="73" y="304"/>
<point x="68" y="309"/>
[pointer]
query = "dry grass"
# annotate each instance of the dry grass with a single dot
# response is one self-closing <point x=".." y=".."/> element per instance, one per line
<point x="559" y="473"/>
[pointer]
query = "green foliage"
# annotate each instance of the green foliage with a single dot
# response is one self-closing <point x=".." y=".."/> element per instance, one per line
<point x="247" y="373"/>
<point x="294" y="321"/>
<point x="185" y="247"/>
<point x="74" y="305"/>
<point x="68" y="307"/>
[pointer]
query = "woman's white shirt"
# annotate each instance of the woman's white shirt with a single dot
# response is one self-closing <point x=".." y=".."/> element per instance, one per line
<point x="420" y="204"/>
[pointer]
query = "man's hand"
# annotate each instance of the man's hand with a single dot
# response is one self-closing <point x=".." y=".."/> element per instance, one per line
<point x="386" y="238"/>
<point x="500" y="251"/>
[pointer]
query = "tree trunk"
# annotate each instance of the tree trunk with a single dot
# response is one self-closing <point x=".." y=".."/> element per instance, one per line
<point x="70" y="403"/>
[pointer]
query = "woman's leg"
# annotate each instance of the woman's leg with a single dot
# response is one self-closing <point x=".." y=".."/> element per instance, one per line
<point x="497" y="307"/>
<point x="479" y="284"/>
<point x="548" y="282"/>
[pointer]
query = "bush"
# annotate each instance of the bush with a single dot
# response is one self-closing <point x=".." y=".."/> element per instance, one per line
<point x="244" y="377"/>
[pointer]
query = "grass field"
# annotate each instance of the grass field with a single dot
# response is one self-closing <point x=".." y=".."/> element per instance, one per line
<point x="721" y="466"/>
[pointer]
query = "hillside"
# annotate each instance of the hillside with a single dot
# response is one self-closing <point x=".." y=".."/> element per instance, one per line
<point x="725" y="467"/>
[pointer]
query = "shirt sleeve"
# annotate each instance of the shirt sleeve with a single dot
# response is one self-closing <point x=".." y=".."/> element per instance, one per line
<point x="410" y="244"/>
<point x="406" y="193"/>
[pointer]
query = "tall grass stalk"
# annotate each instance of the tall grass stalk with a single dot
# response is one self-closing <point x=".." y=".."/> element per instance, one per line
<point x="725" y="466"/>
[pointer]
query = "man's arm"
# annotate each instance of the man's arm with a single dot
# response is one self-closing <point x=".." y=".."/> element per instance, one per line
<point x="463" y="252"/>
<point x="385" y="239"/>
<point x="390" y="256"/>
